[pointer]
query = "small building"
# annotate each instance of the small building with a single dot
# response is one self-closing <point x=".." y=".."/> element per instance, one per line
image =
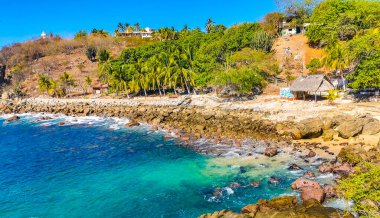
<point x="288" y="28"/>
<point x="98" y="89"/>
<point x="310" y="85"/>
<point x="146" y="33"/>
<point x="43" y="35"/>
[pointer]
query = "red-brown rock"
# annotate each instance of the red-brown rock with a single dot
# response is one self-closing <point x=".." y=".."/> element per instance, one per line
<point x="308" y="193"/>
<point x="301" y="183"/>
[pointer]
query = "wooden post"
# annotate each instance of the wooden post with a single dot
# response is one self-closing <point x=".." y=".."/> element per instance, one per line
<point x="315" y="96"/>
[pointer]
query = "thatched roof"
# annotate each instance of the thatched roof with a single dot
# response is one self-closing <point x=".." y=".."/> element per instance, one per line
<point x="312" y="83"/>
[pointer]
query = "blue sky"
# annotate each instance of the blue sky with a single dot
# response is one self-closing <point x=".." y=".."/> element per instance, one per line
<point x="22" y="20"/>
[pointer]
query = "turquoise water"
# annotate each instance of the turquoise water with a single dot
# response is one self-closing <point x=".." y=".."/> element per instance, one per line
<point x="95" y="167"/>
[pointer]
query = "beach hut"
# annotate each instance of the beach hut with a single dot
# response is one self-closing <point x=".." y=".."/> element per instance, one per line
<point x="311" y="84"/>
<point x="99" y="88"/>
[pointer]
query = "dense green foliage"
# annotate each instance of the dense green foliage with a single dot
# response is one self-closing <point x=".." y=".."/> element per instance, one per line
<point x="349" y="31"/>
<point x="192" y="59"/>
<point x="104" y="55"/>
<point x="363" y="187"/>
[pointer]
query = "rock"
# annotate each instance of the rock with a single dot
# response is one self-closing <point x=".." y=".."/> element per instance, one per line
<point x="328" y="135"/>
<point x="326" y="167"/>
<point x="132" y="123"/>
<point x="250" y="209"/>
<point x="217" y="192"/>
<point x="12" y="118"/>
<point x="234" y="185"/>
<point x="309" y="193"/>
<point x="311" y="128"/>
<point x="61" y="123"/>
<point x="350" y="155"/>
<point x="273" y="180"/>
<point x="288" y="129"/>
<point x="311" y="154"/>
<point x="343" y="169"/>
<point x="309" y="174"/>
<point x="294" y="167"/>
<point x="301" y="183"/>
<point x="255" y="184"/>
<point x="350" y="128"/>
<point x="280" y="203"/>
<point x="330" y="191"/>
<point x="5" y="95"/>
<point x="371" y="128"/>
<point x="270" y="152"/>
<point x="224" y="214"/>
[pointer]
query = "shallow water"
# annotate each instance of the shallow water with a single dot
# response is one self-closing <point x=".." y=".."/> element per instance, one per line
<point x="94" y="167"/>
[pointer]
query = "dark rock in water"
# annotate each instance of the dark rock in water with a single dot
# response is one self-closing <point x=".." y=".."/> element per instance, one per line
<point x="309" y="193"/>
<point x="309" y="174"/>
<point x="273" y="180"/>
<point x="255" y="184"/>
<point x="243" y="170"/>
<point x="301" y="183"/>
<point x="330" y="191"/>
<point x="217" y="192"/>
<point x="12" y="118"/>
<point x="234" y="185"/>
<point x="270" y="152"/>
<point x="311" y="154"/>
<point x="61" y="123"/>
<point x="294" y="167"/>
<point x="132" y="123"/>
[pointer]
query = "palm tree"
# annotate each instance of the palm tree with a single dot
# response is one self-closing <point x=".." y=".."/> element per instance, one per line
<point x="120" y="27"/>
<point x="337" y="59"/>
<point x="137" y="26"/>
<point x="87" y="83"/>
<point x="44" y="83"/>
<point x="209" y="25"/>
<point x="66" y="80"/>
<point x="126" y="26"/>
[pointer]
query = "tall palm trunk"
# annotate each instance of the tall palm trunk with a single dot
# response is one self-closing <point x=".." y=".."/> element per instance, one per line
<point x="145" y="92"/>
<point x="158" y="87"/>
<point x="187" y="86"/>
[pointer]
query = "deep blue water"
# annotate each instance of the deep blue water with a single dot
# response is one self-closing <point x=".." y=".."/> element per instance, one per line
<point x="97" y="168"/>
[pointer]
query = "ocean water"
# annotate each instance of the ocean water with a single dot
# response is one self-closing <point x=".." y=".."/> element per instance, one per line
<point x="95" y="167"/>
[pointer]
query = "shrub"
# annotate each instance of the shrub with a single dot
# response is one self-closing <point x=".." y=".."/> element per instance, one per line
<point x="363" y="187"/>
<point x="314" y="65"/>
<point x="80" y="34"/>
<point x="332" y="95"/>
<point x="91" y="53"/>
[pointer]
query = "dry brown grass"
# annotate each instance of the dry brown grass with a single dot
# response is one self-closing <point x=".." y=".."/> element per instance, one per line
<point x="55" y="55"/>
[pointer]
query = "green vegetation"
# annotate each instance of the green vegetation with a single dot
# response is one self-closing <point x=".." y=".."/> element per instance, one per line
<point x="314" y="65"/>
<point x="349" y="32"/>
<point x="190" y="59"/>
<point x="363" y="187"/>
<point x="80" y="34"/>
<point x="91" y="53"/>
<point x="332" y="95"/>
<point x="104" y="55"/>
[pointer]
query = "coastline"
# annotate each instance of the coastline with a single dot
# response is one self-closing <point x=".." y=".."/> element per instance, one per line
<point x="235" y="132"/>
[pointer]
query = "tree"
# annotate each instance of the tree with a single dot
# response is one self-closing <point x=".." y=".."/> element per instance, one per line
<point x="104" y="55"/>
<point x="209" y="25"/>
<point x="337" y="60"/>
<point x="137" y="26"/>
<point x="120" y="27"/>
<point x="271" y="22"/>
<point x="80" y="34"/>
<point x="66" y="81"/>
<point x="314" y="65"/>
<point x="45" y="83"/>
<point x="91" y="53"/>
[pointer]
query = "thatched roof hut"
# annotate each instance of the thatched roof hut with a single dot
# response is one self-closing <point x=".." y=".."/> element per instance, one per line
<point x="312" y="83"/>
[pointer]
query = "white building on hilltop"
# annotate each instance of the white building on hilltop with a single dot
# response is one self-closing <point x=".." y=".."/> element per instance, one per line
<point x="145" y="33"/>
<point x="43" y="35"/>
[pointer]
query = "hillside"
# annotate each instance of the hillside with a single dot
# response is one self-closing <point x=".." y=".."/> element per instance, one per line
<point x="54" y="56"/>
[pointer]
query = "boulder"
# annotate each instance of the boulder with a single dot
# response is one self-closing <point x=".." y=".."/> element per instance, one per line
<point x="288" y="129"/>
<point x="328" y="135"/>
<point x="234" y="185"/>
<point x="350" y="128"/>
<point x="343" y="169"/>
<point x="270" y="151"/>
<point x="311" y="128"/>
<point x="294" y="167"/>
<point x="5" y="95"/>
<point x="330" y="191"/>
<point x="350" y="155"/>
<point x="309" y="193"/>
<point x="280" y="203"/>
<point x="132" y="123"/>
<point x="224" y="214"/>
<point x="309" y="174"/>
<point x="250" y="209"/>
<point x="326" y="167"/>
<point x="311" y="154"/>
<point x="371" y="128"/>
<point x="301" y="183"/>
<point x="273" y="180"/>
<point x="12" y="118"/>
<point x="255" y="184"/>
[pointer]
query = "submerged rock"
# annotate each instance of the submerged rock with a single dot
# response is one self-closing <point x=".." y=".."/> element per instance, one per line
<point x="309" y="174"/>
<point x="273" y="180"/>
<point x="132" y="123"/>
<point x="294" y="167"/>
<point x="13" y="118"/>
